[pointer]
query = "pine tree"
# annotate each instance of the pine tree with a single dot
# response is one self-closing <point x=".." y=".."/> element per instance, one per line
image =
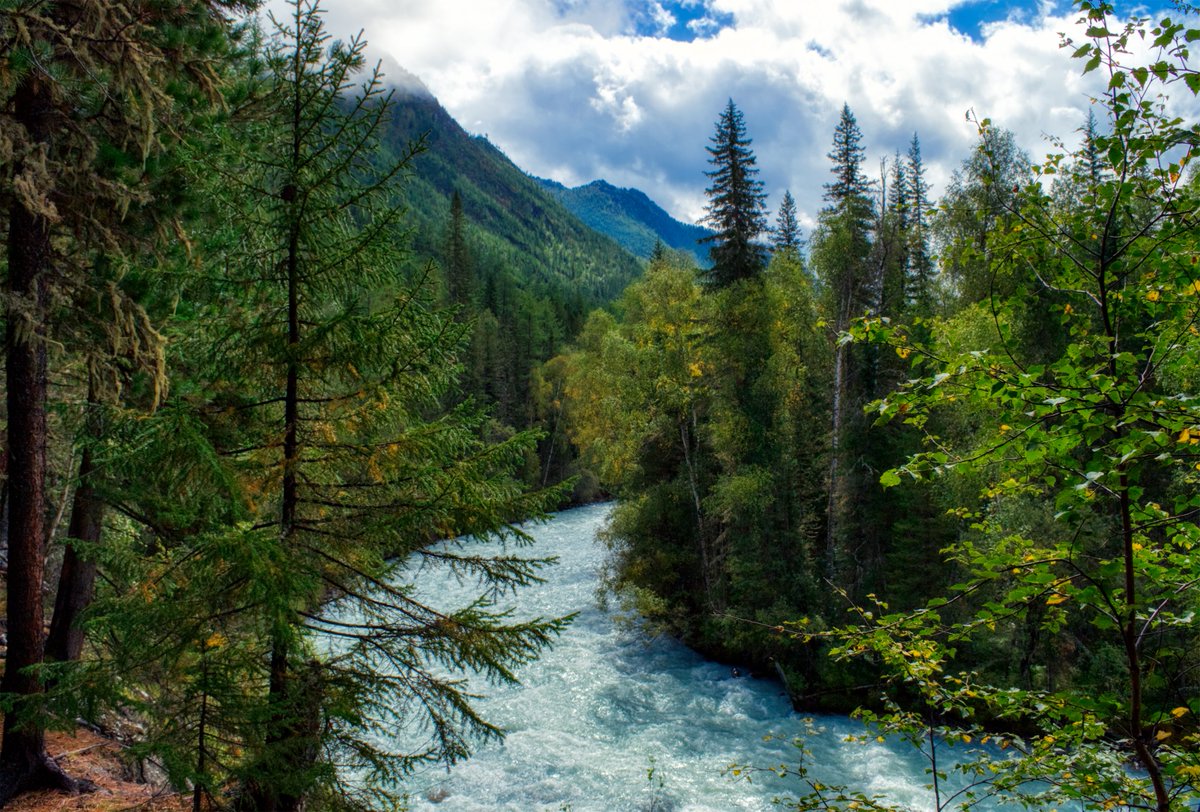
<point x="786" y="234"/>
<point x="736" y="210"/>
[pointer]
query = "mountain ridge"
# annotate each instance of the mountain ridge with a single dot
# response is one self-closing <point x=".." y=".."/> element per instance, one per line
<point x="516" y="224"/>
<point x="629" y="216"/>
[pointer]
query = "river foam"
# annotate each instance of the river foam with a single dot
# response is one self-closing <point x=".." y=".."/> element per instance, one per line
<point x="614" y="719"/>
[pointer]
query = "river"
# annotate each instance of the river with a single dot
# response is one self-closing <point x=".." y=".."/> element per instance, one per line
<point x="615" y="719"/>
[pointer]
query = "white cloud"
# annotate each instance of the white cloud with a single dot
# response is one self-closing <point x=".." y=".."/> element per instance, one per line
<point x="569" y="91"/>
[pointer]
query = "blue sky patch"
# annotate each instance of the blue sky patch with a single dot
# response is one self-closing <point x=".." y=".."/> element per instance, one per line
<point x="679" y="20"/>
<point x="971" y="17"/>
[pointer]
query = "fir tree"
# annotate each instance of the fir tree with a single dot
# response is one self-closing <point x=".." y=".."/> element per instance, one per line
<point x="736" y="210"/>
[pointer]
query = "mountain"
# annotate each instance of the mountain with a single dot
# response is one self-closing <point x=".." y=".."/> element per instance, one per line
<point x="629" y="217"/>
<point x="516" y="226"/>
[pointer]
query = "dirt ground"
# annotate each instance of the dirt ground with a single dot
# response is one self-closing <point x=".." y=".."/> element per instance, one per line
<point x="85" y="754"/>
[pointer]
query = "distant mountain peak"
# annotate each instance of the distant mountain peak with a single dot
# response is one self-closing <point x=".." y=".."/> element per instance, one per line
<point x="406" y="83"/>
<point x="629" y="216"/>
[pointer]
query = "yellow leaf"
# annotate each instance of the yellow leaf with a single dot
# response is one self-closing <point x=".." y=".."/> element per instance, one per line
<point x="1056" y="599"/>
<point x="1185" y="436"/>
<point x="1152" y="296"/>
<point x="1180" y="712"/>
<point x="216" y="640"/>
<point x="1162" y="735"/>
<point x="1005" y="427"/>
<point x="695" y="369"/>
<point x="903" y="352"/>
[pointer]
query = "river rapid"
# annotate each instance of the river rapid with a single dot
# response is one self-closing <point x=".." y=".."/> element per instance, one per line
<point x="613" y="718"/>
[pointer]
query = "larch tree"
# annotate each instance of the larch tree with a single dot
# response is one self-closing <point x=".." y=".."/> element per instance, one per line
<point x="338" y="434"/>
<point x="86" y="100"/>
<point x="736" y="211"/>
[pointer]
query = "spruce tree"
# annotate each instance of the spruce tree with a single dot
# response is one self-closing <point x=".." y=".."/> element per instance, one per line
<point x="786" y="234"/>
<point x="849" y="189"/>
<point x="891" y="243"/>
<point x="736" y="211"/>
<point x="460" y="275"/>
<point x="920" y="262"/>
<point x="842" y="260"/>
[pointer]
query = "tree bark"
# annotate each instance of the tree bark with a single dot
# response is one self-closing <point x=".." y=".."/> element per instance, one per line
<point x="77" y="580"/>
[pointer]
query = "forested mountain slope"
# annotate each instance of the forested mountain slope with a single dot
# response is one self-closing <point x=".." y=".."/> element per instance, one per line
<point x="515" y="222"/>
<point x="630" y="217"/>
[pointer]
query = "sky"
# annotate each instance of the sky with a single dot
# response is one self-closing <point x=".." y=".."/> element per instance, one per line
<point x="629" y="90"/>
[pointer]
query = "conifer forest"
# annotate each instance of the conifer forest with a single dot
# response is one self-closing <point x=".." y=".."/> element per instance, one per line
<point x="283" y="343"/>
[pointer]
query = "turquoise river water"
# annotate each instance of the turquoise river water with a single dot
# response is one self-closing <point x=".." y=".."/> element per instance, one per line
<point x="613" y="718"/>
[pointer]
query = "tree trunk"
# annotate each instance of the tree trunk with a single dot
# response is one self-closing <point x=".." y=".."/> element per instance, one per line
<point x="266" y="794"/>
<point x="77" y="581"/>
<point x="23" y="761"/>
<point x="833" y="508"/>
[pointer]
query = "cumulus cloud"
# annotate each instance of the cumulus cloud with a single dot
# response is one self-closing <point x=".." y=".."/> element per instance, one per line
<point x="584" y="89"/>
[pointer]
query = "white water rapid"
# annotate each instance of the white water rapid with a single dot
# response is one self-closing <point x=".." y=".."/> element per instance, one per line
<point x="611" y="719"/>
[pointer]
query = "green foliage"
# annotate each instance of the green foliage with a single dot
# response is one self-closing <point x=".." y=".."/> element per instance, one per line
<point x="257" y="610"/>
<point x="1085" y="425"/>
<point x="698" y="417"/>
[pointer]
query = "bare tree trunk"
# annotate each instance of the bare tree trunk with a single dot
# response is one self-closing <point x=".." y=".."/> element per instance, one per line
<point x="77" y="581"/>
<point x="833" y="509"/>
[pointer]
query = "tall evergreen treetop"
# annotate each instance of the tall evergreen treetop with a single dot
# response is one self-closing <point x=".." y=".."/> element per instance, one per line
<point x="849" y="183"/>
<point x="920" y="283"/>
<point x="736" y="210"/>
<point x="786" y="234"/>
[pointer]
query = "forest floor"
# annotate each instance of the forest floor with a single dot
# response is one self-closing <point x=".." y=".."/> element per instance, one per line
<point x="84" y="754"/>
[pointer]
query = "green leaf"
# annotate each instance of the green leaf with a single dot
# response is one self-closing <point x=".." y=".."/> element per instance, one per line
<point x="890" y="478"/>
